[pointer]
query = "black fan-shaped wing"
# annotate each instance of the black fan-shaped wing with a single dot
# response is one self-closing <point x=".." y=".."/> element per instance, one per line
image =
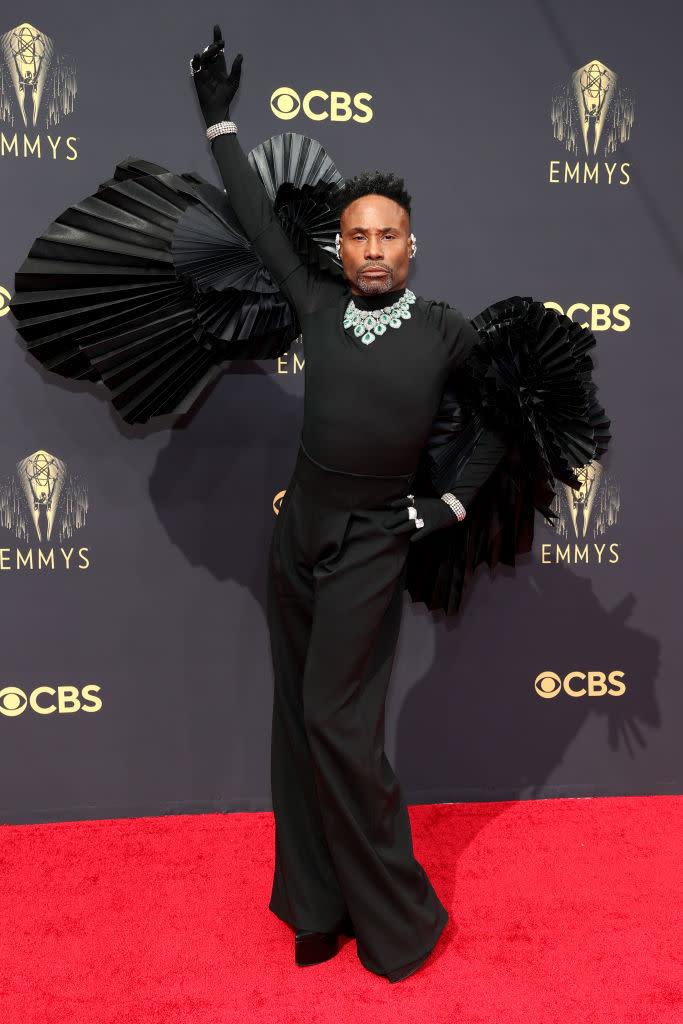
<point x="529" y="380"/>
<point x="150" y="283"/>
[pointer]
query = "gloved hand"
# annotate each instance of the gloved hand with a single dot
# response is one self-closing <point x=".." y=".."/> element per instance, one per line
<point x="434" y="512"/>
<point x="215" y="87"/>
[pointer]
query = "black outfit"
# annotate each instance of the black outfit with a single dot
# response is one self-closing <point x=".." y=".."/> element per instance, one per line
<point x="336" y="580"/>
<point x="146" y="287"/>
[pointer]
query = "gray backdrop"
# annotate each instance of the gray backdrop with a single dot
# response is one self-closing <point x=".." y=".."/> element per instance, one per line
<point x="155" y="654"/>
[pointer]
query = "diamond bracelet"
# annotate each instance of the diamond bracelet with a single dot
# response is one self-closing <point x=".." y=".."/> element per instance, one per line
<point x="221" y="128"/>
<point x="455" y="505"/>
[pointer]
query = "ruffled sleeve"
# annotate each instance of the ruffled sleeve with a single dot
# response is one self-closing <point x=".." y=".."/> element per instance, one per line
<point x="301" y="280"/>
<point x="522" y="397"/>
<point x="148" y="285"/>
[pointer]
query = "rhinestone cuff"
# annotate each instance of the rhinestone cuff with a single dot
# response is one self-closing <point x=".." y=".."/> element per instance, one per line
<point x="221" y="128"/>
<point x="455" y="505"/>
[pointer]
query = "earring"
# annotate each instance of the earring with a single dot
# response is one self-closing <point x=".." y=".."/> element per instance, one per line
<point x="336" y="247"/>
<point x="413" y="246"/>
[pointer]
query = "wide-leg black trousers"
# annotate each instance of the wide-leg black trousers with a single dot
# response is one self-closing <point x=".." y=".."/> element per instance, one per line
<point x="343" y="840"/>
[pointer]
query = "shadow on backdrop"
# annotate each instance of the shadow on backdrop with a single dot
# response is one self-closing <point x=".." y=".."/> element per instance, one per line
<point x="475" y="719"/>
<point x="213" y="488"/>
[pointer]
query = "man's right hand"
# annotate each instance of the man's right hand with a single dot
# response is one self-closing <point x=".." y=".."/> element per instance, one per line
<point x="215" y="87"/>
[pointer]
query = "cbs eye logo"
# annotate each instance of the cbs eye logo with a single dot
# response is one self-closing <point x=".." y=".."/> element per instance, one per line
<point x="4" y="301"/>
<point x="14" y="701"/>
<point x="277" y="501"/>
<point x="597" y="684"/>
<point x="319" y="105"/>
<point x="602" y="316"/>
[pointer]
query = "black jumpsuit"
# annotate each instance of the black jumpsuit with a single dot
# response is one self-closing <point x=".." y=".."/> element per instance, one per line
<point x="344" y="849"/>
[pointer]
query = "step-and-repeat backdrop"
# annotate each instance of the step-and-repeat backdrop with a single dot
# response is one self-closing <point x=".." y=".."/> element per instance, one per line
<point x="540" y="144"/>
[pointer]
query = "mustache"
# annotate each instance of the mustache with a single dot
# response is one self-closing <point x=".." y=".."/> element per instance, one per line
<point x="376" y="266"/>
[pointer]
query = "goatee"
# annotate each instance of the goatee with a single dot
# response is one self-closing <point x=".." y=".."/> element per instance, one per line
<point x="375" y="285"/>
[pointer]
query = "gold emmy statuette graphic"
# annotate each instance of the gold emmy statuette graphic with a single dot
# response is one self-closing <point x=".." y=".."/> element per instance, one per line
<point x="592" y="509"/>
<point x="581" y="501"/>
<point x="30" y="71"/>
<point x="592" y="109"/>
<point x="42" y="477"/>
<point x="42" y="500"/>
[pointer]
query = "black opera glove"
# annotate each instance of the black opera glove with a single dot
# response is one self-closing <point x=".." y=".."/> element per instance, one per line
<point x="215" y="87"/>
<point x="434" y="512"/>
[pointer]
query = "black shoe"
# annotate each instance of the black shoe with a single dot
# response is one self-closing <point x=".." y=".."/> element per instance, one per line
<point x="314" y="947"/>
<point x="404" y="972"/>
<point x="346" y="927"/>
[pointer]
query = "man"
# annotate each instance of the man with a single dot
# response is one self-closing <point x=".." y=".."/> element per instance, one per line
<point x="377" y="359"/>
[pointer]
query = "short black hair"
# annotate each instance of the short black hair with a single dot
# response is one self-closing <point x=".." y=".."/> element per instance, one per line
<point x="377" y="183"/>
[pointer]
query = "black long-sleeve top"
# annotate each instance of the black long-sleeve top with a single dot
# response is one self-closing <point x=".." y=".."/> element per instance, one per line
<point x="367" y="408"/>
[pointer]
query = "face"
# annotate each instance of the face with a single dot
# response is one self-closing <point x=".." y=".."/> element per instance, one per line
<point x="375" y="245"/>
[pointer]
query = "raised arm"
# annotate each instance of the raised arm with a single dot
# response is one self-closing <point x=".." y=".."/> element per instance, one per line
<point x="216" y="90"/>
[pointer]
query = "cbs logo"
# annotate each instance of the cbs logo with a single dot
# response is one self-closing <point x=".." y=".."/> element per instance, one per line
<point x="4" y="301"/>
<point x="602" y="317"/>
<point x="319" y="105"/>
<point x="277" y="501"/>
<point x="578" y="684"/>
<point x="14" y="701"/>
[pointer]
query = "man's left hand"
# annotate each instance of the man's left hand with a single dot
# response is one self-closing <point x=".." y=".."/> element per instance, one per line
<point x="434" y="513"/>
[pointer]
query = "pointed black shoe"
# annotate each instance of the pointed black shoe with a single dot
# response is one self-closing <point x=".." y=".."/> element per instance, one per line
<point x="404" y="972"/>
<point x="314" y="947"/>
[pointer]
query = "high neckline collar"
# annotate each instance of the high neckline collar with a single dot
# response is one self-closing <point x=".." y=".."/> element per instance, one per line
<point x="377" y="301"/>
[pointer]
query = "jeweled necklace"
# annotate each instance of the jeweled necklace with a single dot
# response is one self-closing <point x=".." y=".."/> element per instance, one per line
<point x="372" y="322"/>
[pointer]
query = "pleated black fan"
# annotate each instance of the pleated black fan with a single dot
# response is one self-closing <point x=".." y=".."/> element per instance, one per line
<point x="304" y="186"/>
<point x="148" y="285"/>
<point x="532" y="376"/>
<point x="529" y="382"/>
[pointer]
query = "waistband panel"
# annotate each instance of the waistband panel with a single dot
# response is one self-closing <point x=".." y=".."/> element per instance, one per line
<point x="348" y="488"/>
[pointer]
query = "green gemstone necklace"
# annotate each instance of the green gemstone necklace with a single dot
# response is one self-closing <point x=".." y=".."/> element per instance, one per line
<point x="370" y="323"/>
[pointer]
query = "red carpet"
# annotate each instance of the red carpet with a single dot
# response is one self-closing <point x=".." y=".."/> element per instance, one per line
<point x="562" y="912"/>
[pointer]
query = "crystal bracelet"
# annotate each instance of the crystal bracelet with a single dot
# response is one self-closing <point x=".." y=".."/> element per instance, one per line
<point x="221" y="128"/>
<point x="455" y="505"/>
